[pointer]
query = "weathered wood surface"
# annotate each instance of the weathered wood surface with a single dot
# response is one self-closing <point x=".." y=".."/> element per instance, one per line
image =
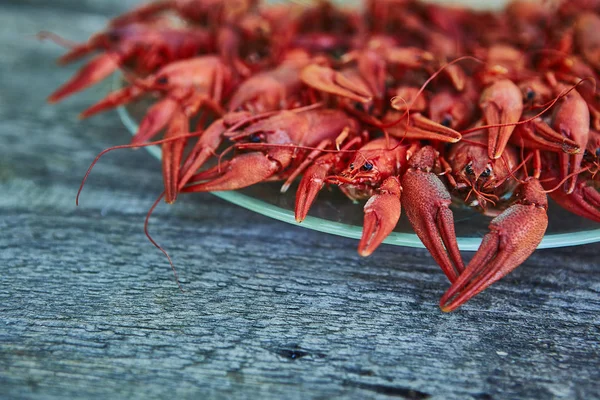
<point x="89" y="308"/>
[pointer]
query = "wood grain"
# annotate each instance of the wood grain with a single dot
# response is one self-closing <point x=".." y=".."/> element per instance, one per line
<point x="90" y="309"/>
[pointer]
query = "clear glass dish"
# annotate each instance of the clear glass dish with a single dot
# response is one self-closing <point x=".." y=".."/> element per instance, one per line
<point x="335" y="214"/>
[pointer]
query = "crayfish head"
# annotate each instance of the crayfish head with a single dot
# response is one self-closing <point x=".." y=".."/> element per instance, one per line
<point x="361" y="171"/>
<point x="374" y="162"/>
<point x="450" y="110"/>
<point x="535" y="92"/>
<point x="480" y="181"/>
<point x="360" y="178"/>
<point x="476" y="181"/>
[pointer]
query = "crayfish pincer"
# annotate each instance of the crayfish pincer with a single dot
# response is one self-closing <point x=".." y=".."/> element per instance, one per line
<point x="427" y="203"/>
<point x="513" y="237"/>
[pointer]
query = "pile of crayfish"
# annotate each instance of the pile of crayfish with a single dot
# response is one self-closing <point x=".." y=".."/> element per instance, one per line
<point x="407" y="104"/>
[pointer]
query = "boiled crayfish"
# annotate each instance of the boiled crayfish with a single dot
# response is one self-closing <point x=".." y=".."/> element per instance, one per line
<point x="412" y="107"/>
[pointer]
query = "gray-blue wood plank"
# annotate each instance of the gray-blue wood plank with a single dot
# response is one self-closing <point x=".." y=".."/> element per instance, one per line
<point x="88" y="308"/>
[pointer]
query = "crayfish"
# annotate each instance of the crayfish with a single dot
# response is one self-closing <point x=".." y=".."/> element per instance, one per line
<point x="410" y="107"/>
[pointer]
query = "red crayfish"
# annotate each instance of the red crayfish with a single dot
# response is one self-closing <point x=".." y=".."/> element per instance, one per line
<point x="412" y="107"/>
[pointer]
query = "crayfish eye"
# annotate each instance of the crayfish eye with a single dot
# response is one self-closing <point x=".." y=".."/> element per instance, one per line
<point x="598" y="152"/>
<point x="254" y="138"/>
<point x="530" y="94"/>
<point x="469" y="170"/>
<point x="446" y="121"/>
<point x="367" y="166"/>
<point x="113" y="36"/>
<point x="337" y="53"/>
<point x="359" y="107"/>
<point x="351" y="166"/>
<point x="486" y="173"/>
<point x="162" y="80"/>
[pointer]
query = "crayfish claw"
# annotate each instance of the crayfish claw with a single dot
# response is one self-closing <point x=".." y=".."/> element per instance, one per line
<point x="75" y="53"/>
<point x="583" y="201"/>
<point x="572" y="120"/>
<point x="331" y="81"/>
<point x="93" y="72"/>
<point x="538" y="135"/>
<point x="113" y="99"/>
<point x="434" y="131"/>
<point x="242" y="171"/>
<point x="514" y="235"/>
<point x="203" y="150"/>
<point x="382" y="212"/>
<point x="311" y="184"/>
<point x="426" y="201"/>
<point x="501" y="103"/>
<point x="172" y="153"/>
<point x="157" y="117"/>
<point x="421" y="128"/>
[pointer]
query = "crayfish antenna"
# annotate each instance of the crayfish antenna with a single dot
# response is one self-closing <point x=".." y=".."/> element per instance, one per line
<point x="77" y="50"/>
<point x="146" y="231"/>
<point x="422" y="89"/>
<point x="127" y="146"/>
<point x="89" y="170"/>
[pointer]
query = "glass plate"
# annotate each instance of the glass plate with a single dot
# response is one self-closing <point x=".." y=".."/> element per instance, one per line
<point x="335" y="214"/>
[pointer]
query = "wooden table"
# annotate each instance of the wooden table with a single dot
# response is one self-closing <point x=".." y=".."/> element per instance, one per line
<point x="89" y="307"/>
